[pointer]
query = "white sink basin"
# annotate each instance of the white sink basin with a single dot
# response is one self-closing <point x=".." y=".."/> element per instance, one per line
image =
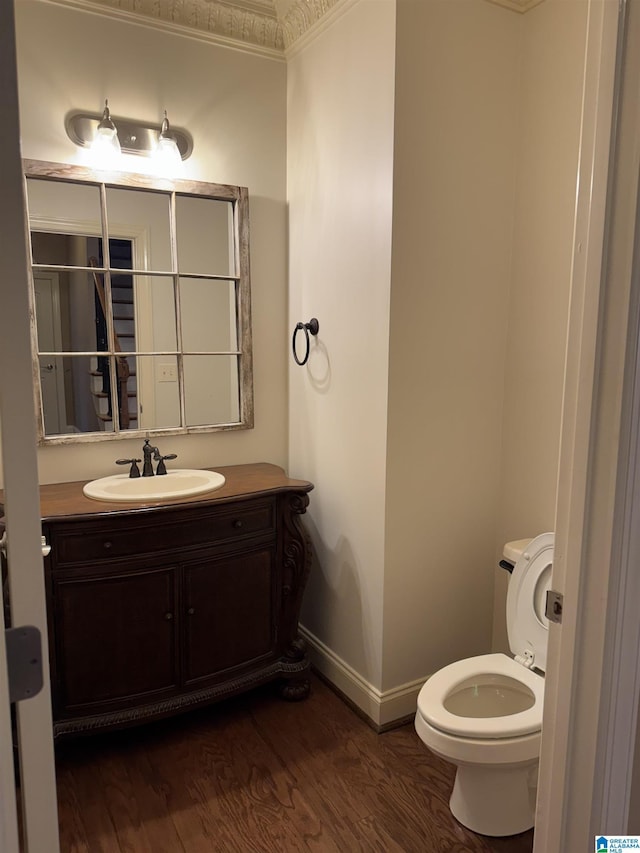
<point x="178" y="483"/>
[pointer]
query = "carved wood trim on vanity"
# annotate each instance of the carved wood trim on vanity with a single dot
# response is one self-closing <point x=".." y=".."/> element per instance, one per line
<point x="156" y="710"/>
<point x="161" y="607"/>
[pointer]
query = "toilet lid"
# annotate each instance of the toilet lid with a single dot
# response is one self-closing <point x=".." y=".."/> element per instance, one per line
<point x="527" y="626"/>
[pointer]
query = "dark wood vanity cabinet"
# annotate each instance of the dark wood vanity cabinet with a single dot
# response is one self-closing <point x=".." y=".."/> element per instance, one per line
<point x="159" y="608"/>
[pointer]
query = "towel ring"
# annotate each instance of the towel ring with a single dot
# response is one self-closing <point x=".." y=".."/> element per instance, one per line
<point x="312" y="327"/>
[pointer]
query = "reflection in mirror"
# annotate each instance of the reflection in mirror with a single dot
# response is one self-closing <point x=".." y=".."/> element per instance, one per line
<point x="208" y="314"/>
<point x="61" y="201"/>
<point x="71" y="405"/>
<point x="148" y="212"/>
<point x="204" y="227"/>
<point x="141" y="304"/>
<point x="211" y="371"/>
<point x="157" y="324"/>
<point x="160" y="392"/>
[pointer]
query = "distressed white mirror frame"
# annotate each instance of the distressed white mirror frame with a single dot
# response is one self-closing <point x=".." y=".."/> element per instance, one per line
<point x="239" y="277"/>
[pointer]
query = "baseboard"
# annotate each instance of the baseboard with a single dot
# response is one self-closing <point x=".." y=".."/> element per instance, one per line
<point x="383" y="709"/>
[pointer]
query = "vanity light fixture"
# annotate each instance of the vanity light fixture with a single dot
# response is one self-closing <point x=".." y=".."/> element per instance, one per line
<point x="128" y="135"/>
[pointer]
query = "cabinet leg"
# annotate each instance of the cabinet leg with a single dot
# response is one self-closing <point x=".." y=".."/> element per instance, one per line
<point x="296" y="686"/>
<point x="295" y="689"/>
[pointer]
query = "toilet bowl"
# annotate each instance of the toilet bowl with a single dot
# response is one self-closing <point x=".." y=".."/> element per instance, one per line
<point x="484" y="714"/>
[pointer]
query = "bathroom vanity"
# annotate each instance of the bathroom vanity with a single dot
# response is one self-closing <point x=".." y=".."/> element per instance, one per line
<point x="165" y="606"/>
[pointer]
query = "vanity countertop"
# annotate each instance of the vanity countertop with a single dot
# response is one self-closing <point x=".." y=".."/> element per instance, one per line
<point x="61" y="500"/>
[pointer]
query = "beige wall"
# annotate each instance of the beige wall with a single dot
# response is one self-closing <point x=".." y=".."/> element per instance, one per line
<point x="486" y="121"/>
<point x="552" y="57"/>
<point x="457" y="76"/>
<point x="234" y="104"/>
<point x="340" y="140"/>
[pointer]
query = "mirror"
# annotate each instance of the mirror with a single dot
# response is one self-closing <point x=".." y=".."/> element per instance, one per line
<point x="141" y="304"/>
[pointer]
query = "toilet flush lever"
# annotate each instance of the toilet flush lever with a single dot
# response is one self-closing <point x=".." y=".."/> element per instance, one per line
<point x="553" y="606"/>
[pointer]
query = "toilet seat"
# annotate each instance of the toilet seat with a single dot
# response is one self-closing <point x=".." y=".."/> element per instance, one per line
<point x="432" y="697"/>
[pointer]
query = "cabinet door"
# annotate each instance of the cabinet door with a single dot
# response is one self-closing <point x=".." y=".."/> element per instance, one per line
<point x="115" y="639"/>
<point x="229" y="612"/>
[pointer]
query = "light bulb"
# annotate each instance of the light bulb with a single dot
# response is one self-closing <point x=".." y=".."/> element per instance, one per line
<point x="167" y="153"/>
<point x="106" y="145"/>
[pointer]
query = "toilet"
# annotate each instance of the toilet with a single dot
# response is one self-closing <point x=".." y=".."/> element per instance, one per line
<point x="484" y="714"/>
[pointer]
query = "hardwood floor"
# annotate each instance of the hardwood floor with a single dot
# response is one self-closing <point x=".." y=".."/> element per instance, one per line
<point x="256" y="774"/>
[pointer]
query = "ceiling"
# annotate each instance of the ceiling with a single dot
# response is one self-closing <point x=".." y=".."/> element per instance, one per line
<point x="264" y="26"/>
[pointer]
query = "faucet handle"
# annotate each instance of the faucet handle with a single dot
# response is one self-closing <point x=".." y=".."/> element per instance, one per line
<point x="134" y="471"/>
<point x="162" y="468"/>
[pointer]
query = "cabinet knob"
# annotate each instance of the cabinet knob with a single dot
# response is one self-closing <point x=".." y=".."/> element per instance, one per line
<point x="191" y="611"/>
<point x="237" y="523"/>
<point x="107" y="545"/>
<point x="168" y="616"/>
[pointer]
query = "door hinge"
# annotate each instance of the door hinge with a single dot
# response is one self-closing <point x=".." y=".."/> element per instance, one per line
<point x="526" y="659"/>
<point x="553" y="607"/>
<point x="24" y="662"/>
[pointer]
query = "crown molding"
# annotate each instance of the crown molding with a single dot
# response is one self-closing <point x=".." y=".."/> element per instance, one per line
<point x="249" y="23"/>
<point x="302" y="16"/>
<point x="314" y="31"/>
<point x="237" y="26"/>
<point x="266" y="27"/>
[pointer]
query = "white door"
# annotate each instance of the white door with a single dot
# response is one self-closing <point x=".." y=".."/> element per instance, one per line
<point x="593" y="673"/>
<point x="21" y="507"/>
